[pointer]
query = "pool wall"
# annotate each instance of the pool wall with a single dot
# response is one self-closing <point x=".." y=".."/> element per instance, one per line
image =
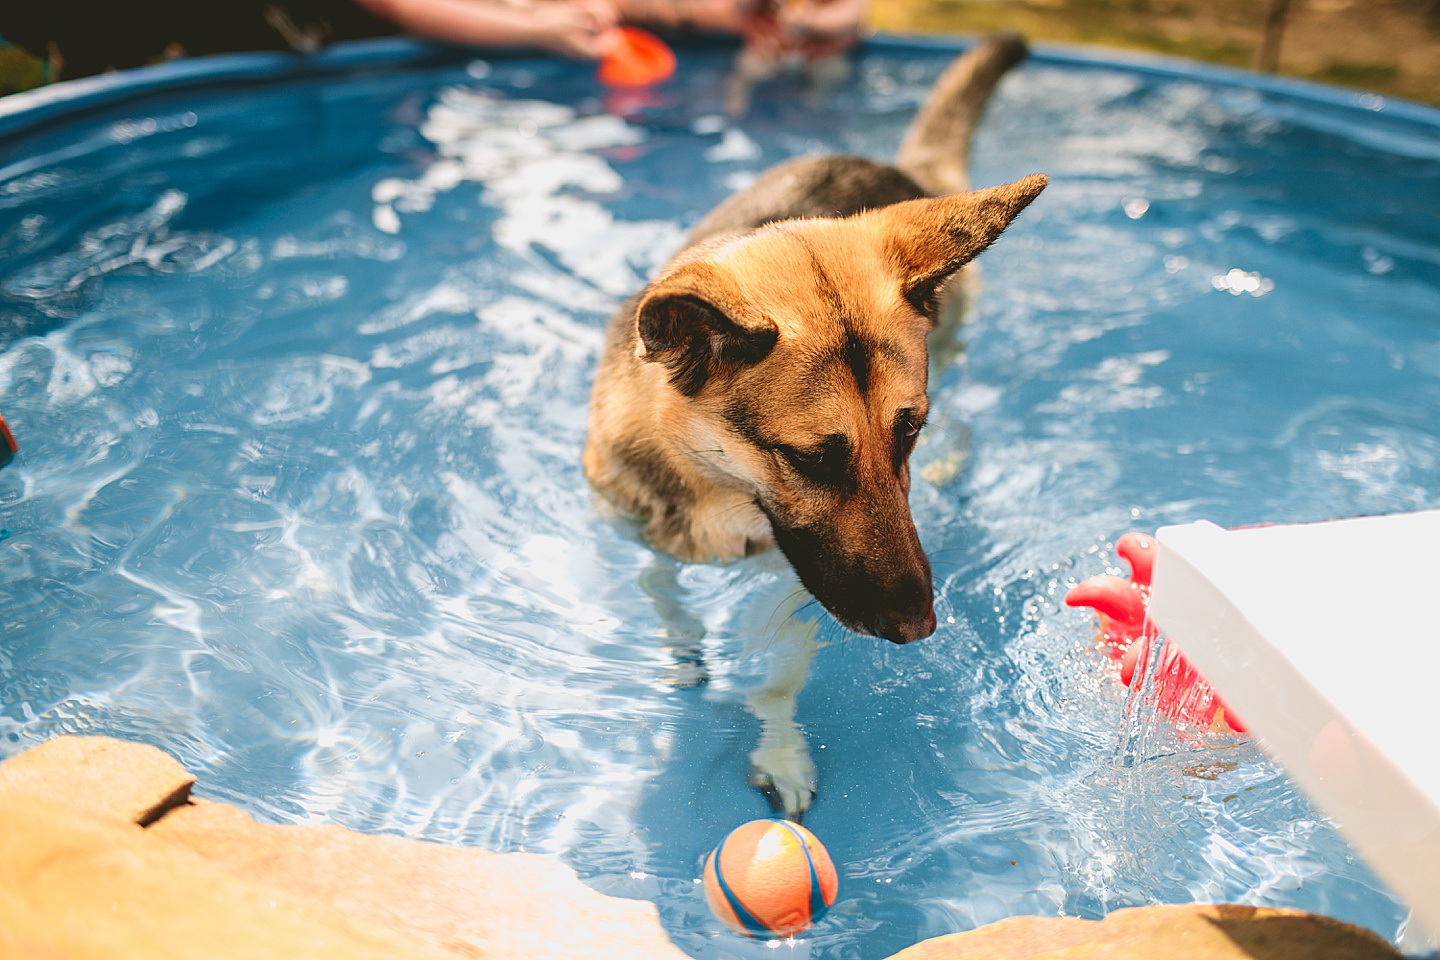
<point x="21" y="111"/>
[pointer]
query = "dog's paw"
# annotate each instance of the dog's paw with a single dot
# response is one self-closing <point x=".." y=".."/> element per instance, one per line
<point x="685" y="673"/>
<point x="785" y="775"/>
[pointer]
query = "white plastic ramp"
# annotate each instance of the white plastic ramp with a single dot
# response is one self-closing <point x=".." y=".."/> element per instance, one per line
<point x="1325" y="639"/>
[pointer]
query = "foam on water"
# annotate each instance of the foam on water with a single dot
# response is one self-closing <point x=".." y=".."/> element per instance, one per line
<point x="300" y="375"/>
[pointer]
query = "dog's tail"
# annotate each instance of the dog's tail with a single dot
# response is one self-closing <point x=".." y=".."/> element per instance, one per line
<point x="936" y="148"/>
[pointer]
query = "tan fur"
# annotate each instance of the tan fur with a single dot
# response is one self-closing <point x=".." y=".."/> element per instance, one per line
<point x="766" y="385"/>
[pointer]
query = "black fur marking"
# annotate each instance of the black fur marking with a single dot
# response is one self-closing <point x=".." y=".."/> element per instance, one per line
<point x="830" y="465"/>
<point x="852" y="586"/>
<point x="839" y="309"/>
<point x="834" y="578"/>
<point x="856" y="351"/>
<point x="746" y="424"/>
<point x="857" y="357"/>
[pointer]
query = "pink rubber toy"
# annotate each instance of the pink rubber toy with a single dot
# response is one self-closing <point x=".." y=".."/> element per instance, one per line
<point x="1181" y="693"/>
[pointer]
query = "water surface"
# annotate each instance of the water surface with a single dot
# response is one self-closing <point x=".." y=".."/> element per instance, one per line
<point x="300" y="375"/>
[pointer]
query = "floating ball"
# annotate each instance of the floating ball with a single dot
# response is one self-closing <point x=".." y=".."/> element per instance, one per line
<point x="636" y="58"/>
<point x="770" y="878"/>
<point x="8" y="446"/>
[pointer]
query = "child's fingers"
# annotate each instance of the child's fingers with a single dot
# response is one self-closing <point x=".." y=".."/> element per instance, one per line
<point x="825" y="19"/>
<point x="602" y="14"/>
<point x="606" y="40"/>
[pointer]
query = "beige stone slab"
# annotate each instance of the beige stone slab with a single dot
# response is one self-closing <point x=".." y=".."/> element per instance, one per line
<point x="471" y="902"/>
<point x="1192" y="932"/>
<point x="12" y="945"/>
<point x="86" y="887"/>
<point x="1015" y="938"/>
<point x="1286" y="934"/>
<point x="126" y="781"/>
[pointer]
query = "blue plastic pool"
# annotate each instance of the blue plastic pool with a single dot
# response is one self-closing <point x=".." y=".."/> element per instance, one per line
<point x="299" y="363"/>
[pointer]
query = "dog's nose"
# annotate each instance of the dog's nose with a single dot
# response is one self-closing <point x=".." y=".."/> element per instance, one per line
<point x="905" y="611"/>
<point x="907" y="630"/>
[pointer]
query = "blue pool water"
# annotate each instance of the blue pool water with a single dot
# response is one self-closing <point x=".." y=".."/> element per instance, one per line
<point x="300" y="371"/>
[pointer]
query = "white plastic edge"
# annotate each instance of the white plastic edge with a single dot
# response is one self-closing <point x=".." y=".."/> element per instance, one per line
<point x="1325" y="640"/>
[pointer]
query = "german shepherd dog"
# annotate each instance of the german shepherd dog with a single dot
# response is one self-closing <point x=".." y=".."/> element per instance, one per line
<point x="767" y="387"/>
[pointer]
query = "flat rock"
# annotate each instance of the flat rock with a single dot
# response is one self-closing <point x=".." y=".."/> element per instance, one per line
<point x="87" y="887"/>
<point x="467" y="901"/>
<point x="73" y="809"/>
<point x="1193" y="931"/>
<point x="133" y="782"/>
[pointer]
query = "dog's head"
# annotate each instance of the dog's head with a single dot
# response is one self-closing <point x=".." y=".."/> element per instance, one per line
<point x="796" y="358"/>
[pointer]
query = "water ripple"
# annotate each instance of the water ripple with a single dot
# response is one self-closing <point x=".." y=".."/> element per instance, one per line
<point x="299" y="496"/>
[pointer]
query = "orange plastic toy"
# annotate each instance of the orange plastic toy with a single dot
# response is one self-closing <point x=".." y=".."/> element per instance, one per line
<point x="770" y="878"/>
<point x="8" y="446"/>
<point x="1181" y="693"/>
<point x="636" y="59"/>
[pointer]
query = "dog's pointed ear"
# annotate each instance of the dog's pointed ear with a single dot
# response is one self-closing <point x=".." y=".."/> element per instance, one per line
<point x="931" y="239"/>
<point x="696" y="322"/>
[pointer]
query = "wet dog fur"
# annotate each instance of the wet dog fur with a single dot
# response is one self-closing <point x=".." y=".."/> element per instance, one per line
<point x="767" y="387"/>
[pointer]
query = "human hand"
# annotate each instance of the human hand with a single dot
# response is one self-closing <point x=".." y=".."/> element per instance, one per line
<point x="719" y="16"/>
<point x="576" y="28"/>
<point x="583" y="29"/>
<point x="715" y="16"/>
<point x="824" y="20"/>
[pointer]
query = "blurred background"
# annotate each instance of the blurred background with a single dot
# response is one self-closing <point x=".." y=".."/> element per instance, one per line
<point x="1386" y="46"/>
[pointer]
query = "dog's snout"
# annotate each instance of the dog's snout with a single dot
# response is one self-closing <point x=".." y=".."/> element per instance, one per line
<point x="884" y="588"/>
<point x="907" y="625"/>
<point x="907" y="631"/>
<point x="904" y="608"/>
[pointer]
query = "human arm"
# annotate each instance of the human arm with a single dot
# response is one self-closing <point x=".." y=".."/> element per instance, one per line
<point x="576" y="28"/>
<point x="713" y="16"/>
<point x="826" y="20"/>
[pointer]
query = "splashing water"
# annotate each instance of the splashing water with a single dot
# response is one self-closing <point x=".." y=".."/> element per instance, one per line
<point x="300" y="375"/>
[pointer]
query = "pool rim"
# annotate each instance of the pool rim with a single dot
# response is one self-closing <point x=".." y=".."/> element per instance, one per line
<point x="30" y="109"/>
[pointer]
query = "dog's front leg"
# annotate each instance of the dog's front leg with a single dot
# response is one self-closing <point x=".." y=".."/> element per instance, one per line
<point x="780" y="766"/>
<point x="682" y="633"/>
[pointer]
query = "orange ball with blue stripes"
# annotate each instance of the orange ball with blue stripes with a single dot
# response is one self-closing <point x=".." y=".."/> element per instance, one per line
<point x="770" y="878"/>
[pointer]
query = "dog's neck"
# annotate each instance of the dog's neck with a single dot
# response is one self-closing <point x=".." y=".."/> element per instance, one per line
<point x="654" y="458"/>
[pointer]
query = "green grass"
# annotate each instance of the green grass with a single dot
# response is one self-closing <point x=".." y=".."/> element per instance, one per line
<point x="18" y="70"/>
<point x="1350" y="74"/>
<point x="1226" y="32"/>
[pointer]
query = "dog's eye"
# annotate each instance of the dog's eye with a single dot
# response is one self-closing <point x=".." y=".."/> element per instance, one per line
<point x="802" y="459"/>
<point x="828" y="463"/>
<point x="907" y="428"/>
